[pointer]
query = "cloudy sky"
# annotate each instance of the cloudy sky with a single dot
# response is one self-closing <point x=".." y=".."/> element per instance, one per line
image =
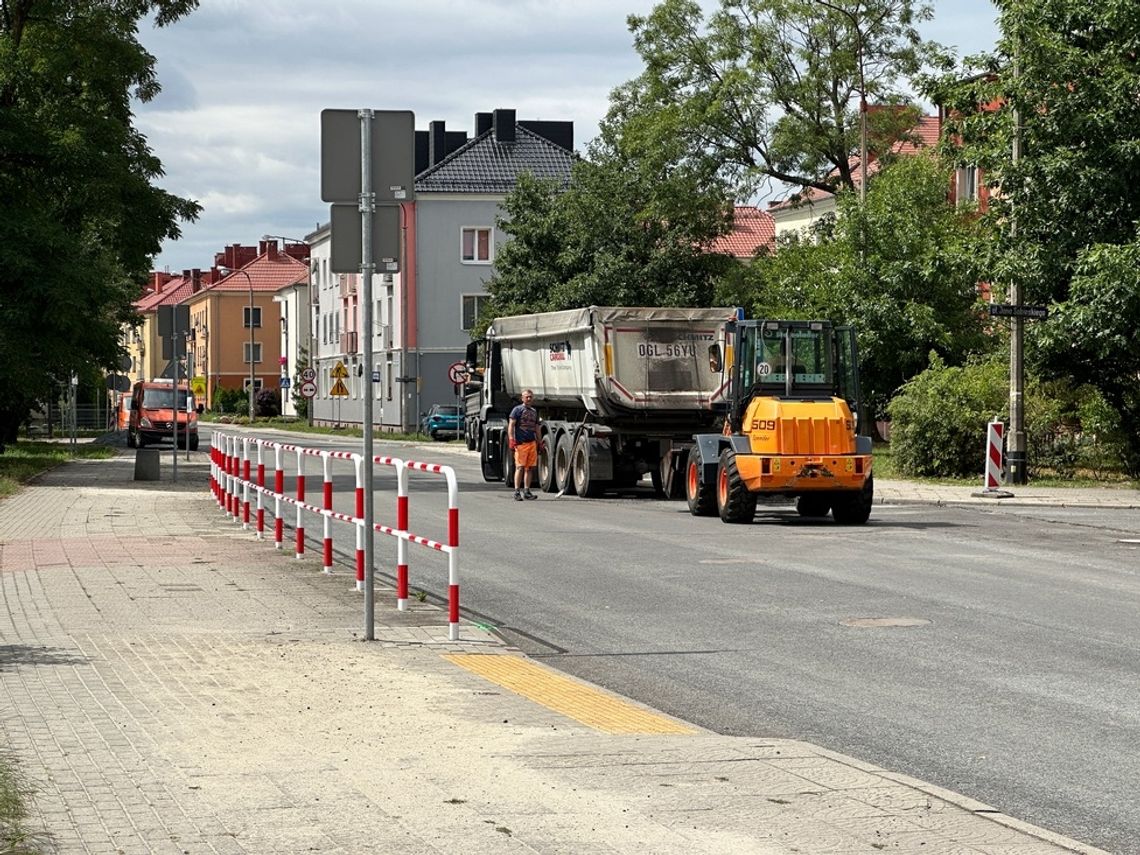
<point x="237" y="125"/>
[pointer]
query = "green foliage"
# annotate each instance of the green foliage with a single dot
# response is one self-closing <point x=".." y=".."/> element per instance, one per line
<point x="939" y="418"/>
<point x="81" y="219"/>
<point x="22" y="461"/>
<point x="902" y="269"/>
<point x="267" y="403"/>
<point x="769" y="89"/>
<point x="617" y="235"/>
<point x="230" y="400"/>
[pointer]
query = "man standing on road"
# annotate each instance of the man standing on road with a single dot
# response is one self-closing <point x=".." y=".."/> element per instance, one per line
<point x="522" y="434"/>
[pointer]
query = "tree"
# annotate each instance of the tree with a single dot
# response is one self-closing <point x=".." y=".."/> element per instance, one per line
<point x="770" y="89"/>
<point x="1065" y="211"/>
<point x="902" y="268"/>
<point x="81" y="219"/>
<point x="617" y="234"/>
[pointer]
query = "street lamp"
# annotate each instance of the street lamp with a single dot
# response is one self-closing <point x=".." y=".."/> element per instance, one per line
<point x="252" y="342"/>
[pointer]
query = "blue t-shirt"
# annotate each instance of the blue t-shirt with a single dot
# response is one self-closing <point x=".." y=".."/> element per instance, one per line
<point x="526" y="423"/>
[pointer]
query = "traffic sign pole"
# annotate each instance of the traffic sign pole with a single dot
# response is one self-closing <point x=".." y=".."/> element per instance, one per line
<point x="367" y="201"/>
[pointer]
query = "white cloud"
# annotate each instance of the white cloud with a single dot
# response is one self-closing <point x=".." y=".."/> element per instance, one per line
<point x="237" y="126"/>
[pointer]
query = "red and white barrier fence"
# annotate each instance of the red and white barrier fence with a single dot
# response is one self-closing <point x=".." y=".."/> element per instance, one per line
<point x="232" y="486"/>
<point x="995" y="456"/>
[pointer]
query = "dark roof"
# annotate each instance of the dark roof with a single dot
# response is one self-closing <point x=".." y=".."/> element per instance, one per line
<point x="485" y="165"/>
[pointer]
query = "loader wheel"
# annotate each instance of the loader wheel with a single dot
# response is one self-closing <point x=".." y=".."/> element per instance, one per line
<point x="813" y="505"/>
<point x="701" y="496"/>
<point x="854" y="508"/>
<point x="734" y="501"/>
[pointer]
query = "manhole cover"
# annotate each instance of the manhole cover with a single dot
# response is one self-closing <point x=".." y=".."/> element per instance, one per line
<point x="884" y="622"/>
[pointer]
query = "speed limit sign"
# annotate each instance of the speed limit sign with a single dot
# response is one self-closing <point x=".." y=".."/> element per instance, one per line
<point x="308" y="375"/>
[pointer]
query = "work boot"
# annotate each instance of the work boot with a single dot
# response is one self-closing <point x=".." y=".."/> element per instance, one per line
<point x="518" y="496"/>
<point x="529" y="495"/>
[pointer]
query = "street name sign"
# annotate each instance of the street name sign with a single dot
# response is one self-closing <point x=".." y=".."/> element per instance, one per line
<point x="1005" y="310"/>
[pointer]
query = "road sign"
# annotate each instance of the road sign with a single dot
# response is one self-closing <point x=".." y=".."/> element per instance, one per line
<point x="457" y="372"/>
<point x="308" y="374"/>
<point x="339" y="372"/>
<point x="339" y="390"/>
<point x="198" y="386"/>
<point x="285" y="383"/>
<point x="345" y="226"/>
<point x="393" y="155"/>
<point x="309" y="389"/>
<point x="1005" y="310"/>
<point x="375" y="376"/>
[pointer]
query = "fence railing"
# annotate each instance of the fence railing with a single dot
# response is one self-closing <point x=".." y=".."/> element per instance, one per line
<point x="238" y="483"/>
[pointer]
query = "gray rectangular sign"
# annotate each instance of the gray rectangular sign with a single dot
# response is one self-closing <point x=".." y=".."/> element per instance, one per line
<point x="393" y="155"/>
<point x="345" y="224"/>
<point x="1005" y="310"/>
<point x="172" y="321"/>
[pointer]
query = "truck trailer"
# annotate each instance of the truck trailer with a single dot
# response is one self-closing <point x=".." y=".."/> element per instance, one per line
<point x="621" y="393"/>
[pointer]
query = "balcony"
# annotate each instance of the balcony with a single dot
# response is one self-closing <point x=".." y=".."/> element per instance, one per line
<point x="349" y="343"/>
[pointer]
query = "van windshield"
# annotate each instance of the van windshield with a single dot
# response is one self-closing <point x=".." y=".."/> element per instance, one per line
<point x="163" y="399"/>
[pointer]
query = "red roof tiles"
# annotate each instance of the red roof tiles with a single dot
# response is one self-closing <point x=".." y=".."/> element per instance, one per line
<point x="752" y="230"/>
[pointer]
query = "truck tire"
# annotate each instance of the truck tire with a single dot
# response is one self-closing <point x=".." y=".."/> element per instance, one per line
<point x="813" y="504"/>
<point x="131" y="441"/>
<point x="585" y="485"/>
<point x="547" y="482"/>
<point x="508" y="463"/>
<point x="563" y="475"/>
<point x="194" y="442"/>
<point x="491" y="472"/>
<point x="734" y="501"/>
<point x="469" y="436"/>
<point x="701" y="496"/>
<point x="854" y="508"/>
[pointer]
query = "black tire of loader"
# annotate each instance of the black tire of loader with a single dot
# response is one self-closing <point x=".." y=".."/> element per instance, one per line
<point x="734" y="501"/>
<point x="854" y="508"/>
<point x="700" y="496"/>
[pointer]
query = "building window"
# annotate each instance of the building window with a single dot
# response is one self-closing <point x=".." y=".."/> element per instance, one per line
<point x="967" y="180"/>
<point x="472" y="306"/>
<point x="256" y="316"/>
<point x="476" y="246"/>
<point x="256" y="384"/>
<point x="256" y="352"/>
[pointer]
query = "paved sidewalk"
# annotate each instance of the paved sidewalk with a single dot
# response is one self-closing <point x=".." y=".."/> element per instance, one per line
<point x="171" y="685"/>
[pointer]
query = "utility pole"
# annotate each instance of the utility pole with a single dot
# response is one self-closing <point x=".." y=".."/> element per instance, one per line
<point x="1015" y="452"/>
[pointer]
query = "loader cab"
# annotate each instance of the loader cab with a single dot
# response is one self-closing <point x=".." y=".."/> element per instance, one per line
<point x="801" y="360"/>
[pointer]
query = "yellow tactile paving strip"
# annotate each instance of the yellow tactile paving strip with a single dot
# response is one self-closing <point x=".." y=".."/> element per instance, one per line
<point x="590" y="706"/>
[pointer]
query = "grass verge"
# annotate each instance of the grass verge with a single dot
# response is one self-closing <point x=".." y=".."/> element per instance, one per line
<point x="15" y="839"/>
<point x="27" y="459"/>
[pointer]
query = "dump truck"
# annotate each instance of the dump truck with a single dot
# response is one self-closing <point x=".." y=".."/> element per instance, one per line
<point x="795" y="427"/>
<point x="621" y="393"/>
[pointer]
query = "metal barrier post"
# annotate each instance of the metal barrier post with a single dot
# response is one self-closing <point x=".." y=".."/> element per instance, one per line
<point x="245" y="481"/>
<point x="300" y="548"/>
<point x="327" y="497"/>
<point x="278" y="492"/>
<point x="359" y="523"/>
<point x="260" y="483"/>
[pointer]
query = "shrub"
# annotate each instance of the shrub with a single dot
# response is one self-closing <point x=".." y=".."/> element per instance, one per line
<point x="939" y="418"/>
<point x="267" y="404"/>
<point x="230" y="400"/>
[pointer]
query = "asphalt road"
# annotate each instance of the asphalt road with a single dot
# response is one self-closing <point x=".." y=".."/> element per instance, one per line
<point x="1013" y="679"/>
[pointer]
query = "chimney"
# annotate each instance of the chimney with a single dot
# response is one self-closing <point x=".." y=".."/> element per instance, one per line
<point x="504" y="125"/>
<point x="437" y="142"/>
<point x="195" y="280"/>
<point x="262" y="247"/>
<point x="482" y="123"/>
<point x="271" y="248"/>
<point x="186" y="275"/>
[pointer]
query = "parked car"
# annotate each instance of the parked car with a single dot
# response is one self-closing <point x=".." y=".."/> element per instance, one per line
<point x="440" y="421"/>
<point x="155" y="407"/>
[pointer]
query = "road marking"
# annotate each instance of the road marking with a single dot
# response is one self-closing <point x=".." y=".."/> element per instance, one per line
<point x="591" y="706"/>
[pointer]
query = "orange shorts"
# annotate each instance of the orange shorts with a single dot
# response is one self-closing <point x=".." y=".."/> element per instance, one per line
<point x="526" y="454"/>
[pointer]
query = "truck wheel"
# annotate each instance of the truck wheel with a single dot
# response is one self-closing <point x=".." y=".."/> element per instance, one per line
<point x="854" y="508"/>
<point x="490" y="471"/>
<point x="580" y="464"/>
<point x="701" y="496"/>
<point x="562" y="473"/>
<point x="547" y="482"/>
<point x="813" y="505"/>
<point x="131" y="441"/>
<point x="469" y="439"/>
<point x="508" y="464"/>
<point x="194" y="442"/>
<point x="734" y="501"/>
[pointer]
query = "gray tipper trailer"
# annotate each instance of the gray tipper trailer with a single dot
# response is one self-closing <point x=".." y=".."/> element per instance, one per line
<point x="620" y="391"/>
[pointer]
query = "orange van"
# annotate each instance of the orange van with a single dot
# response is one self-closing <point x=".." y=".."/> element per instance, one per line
<point x="123" y="413"/>
<point x="153" y="408"/>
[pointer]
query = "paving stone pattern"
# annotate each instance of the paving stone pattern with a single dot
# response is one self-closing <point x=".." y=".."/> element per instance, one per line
<point x="170" y="685"/>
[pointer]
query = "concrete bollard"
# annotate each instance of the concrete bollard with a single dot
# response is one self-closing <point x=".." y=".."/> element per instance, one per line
<point x="147" y="464"/>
